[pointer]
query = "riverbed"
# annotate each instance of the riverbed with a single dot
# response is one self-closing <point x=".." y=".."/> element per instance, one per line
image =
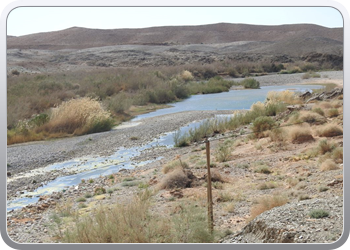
<point x="43" y="167"/>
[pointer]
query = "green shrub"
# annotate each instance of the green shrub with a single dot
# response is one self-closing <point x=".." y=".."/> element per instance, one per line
<point x="223" y="152"/>
<point x="250" y="83"/>
<point x="318" y="213"/>
<point x="262" y="124"/>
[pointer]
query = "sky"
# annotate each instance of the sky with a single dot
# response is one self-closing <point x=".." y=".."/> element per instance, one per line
<point x="29" y="20"/>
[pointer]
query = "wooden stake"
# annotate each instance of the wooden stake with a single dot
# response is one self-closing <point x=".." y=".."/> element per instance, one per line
<point x="209" y="193"/>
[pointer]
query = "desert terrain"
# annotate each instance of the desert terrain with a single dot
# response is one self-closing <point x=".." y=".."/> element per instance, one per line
<point x="277" y="184"/>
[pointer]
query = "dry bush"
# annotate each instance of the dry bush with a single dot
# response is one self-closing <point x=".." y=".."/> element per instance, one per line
<point x="223" y="152"/>
<point x="278" y="135"/>
<point x="175" y="179"/>
<point x="324" y="146"/>
<point x="267" y="203"/>
<point x="337" y="155"/>
<point x="311" y="117"/>
<point x="330" y="130"/>
<point x="332" y="113"/>
<point x="258" y="108"/>
<point x="323" y="105"/>
<point x="186" y="76"/>
<point x="266" y="185"/>
<point x="216" y="176"/>
<point x="78" y="116"/>
<point x="328" y="165"/>
<point x="170" y="166"/>
<point x="286" y="96"/>
<point x="300" y="134"/>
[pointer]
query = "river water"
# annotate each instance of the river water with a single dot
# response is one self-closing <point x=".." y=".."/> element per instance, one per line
<point x="92" y="167"/>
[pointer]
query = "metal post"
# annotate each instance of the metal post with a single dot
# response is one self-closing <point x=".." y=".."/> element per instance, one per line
<point x="209" y="193"/>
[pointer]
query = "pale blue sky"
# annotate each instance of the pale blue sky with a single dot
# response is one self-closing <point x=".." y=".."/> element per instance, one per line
<point x="29" y="20"/>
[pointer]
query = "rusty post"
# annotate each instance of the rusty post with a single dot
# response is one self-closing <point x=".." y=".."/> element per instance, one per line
<point x="209" y="193"/>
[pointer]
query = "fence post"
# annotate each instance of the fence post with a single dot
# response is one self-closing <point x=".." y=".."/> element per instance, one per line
<point x="209" y="193"/>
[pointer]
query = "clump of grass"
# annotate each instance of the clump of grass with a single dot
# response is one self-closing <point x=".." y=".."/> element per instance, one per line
<point x="264" y="169"/>
<point x="175" y="179"/>
<point x="278" y="135"/>
<point x="328" y="165"/>
<point x="332" y="113"/>
<point x="130" y="183"/>
<point x="170" y="166"/>
<point x="318" y="213"/>
<point x="318" y="111"/>
<point x="78" y="116"/>
<point x="225" y="197"/>
<point x="250" y="83"/>
<point x="180" y="140"/>
<point x="323" y="189"/>
<point x="265" y="186"/>
<point x="324" y="146"/>
<point x="311" y="118"/>
<point x="82" y="205"/>
<point x="223" y="152"/>
<point x="134" y="222"/>
<point x="81" y="199"/>
<point x="311" y="74"/>
<point x="143" y="185"/>
<point x="88" y="195"/>
<point x="266" y="203"/>
<point x="99" y="191"/>
<point x="216" y="176"/>
<point x="300" y="134"/>
<point x="128" y="179"/>
<point x="330" y="130"/>
<point x="286" y="96"/>
<point x="186" y="76"/>
<point x="262" y="124"/>
<point x="337" y="155"/>
<point x="303" y="197"/>
<point x="65" y="209"/>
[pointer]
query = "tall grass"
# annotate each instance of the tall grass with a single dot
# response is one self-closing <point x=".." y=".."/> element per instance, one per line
<point x="78" y="116"/>
<point x="135" y="223"/>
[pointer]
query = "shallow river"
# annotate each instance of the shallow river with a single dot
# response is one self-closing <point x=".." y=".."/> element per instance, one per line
<point x="92" y="167"/>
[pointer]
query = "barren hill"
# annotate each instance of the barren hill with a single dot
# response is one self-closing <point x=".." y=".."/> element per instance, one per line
<point x="79" y="38"/>
<point x="80" y="48"/>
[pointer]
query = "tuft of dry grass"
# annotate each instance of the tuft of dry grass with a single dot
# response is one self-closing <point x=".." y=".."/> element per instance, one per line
<point x="337" y="155"/>
<point x="311" y="117"/>
<point x="216" y="176"/>
<point x="300" y="134"/>
<point x="175" y="179"/>
<point x="170" y="166"/>
<point x="330" y="130"/>
<point x="328" y="165"/>
<point x="266" y="203"/>
<point x="332" y="112"/>
<point x="186" y="76"/>
<point x="286" y="96"/>
<point x="78" y="116"/>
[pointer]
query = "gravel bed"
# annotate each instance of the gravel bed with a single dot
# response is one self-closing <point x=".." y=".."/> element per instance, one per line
<point x="25" y="157"/>
<point x="282" y="79"/>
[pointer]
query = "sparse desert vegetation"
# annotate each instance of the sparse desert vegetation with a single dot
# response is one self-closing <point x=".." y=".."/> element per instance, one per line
<point x="276" y="167"/>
